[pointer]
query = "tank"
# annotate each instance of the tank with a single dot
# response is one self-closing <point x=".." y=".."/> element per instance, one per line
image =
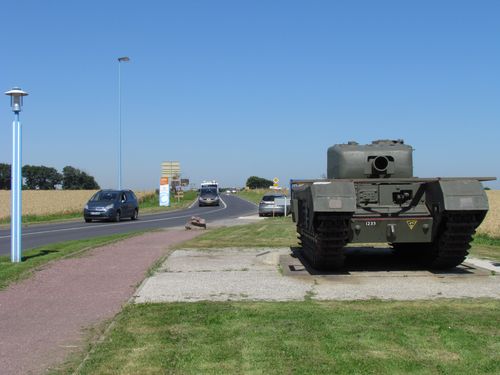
<point x="371" y="196"/>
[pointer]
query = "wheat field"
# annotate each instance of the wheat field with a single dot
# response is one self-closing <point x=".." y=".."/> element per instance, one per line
<point x="47" y="202"/>
<point x="491" y="225"/>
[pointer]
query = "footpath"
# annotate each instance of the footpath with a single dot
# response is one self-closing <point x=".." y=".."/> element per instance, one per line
<point x="46" y="318"/>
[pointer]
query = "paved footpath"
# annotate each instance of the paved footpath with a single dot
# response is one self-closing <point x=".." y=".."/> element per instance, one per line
<point x="43" y="319"/>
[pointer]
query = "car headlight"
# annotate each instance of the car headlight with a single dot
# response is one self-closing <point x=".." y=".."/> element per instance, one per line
<point x="109" y="207"/>
<point x="86" y="206"/>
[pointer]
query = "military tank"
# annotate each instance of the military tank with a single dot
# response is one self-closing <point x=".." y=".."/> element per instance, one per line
<point x="371" y="196"/>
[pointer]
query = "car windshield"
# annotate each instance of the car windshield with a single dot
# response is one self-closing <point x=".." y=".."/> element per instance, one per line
<point x="209" y="191"/>
<point x="270" y="198"/>
<point x="104" y="196"/>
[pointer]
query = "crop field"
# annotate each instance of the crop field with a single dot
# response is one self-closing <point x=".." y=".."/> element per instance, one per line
<point x="491" y="225"/>
<point x="47" y="202"/>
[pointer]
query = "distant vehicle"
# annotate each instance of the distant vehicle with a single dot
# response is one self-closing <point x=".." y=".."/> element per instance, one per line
<point x="111" y="205"/>
<point x="268" y="206"/>
<point x="209" y="196"/>
<point x="210" y="184"/>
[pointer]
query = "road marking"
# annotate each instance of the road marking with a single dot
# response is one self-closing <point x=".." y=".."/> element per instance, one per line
<point x="123" y="223"/>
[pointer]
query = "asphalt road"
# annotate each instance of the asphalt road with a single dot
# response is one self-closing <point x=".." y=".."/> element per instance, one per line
<point x="44" y="234"/>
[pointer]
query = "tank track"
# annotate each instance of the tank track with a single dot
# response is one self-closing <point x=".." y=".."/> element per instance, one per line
<point x="323" y="248"/>
<point x="451" y="247"/>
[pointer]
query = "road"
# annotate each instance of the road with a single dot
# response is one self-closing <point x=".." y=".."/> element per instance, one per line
<point x="44" y="234"/>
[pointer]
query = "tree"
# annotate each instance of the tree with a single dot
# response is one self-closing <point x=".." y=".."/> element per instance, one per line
<point x="255" y="182"/>
<point x="41" y="177"/>
<point x="5" y="176"/>
<point x="75" y="179"/>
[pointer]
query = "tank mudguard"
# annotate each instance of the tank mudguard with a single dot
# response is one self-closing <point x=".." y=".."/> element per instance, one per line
<point x="333" y="196"/>
<point x="457" y="195"/>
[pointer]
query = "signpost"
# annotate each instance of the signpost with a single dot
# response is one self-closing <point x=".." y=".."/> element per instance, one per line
<point x="170" y="175"/>
<point x="164" y="192"/>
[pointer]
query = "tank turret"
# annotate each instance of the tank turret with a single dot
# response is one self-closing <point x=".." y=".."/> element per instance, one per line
<point x="380" y="159"/>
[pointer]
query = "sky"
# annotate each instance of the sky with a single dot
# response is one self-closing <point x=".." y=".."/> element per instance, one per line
<point x="233" y="89"/>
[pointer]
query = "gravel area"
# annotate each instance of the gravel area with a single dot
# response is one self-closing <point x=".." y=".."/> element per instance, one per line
<point x="44" y="318"/>
<point x="274" y="275"/>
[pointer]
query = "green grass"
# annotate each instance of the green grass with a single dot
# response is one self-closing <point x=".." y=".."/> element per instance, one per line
<point x="149" y="203"/>
<point x="272" y="232"/>
<point x="485" y="246"/>
<point x="280" y="232"/>
<point x="32" y="259"/>
<point x="256" y="195"/>
<point x="368" y="337"/>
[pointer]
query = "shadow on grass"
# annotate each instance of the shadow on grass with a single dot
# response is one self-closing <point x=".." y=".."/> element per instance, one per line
<point x="40" y="253"/>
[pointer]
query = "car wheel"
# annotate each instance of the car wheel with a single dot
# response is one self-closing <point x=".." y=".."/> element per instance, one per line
<point x="135" y="215"/>
<point x="117" y="217"/>
<point x="88" y="220"/>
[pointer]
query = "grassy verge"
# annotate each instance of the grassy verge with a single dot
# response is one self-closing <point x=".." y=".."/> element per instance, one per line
<point x="255" y="196"/>
<point x="454" y="337"/>
<point x="280" y="232"/>
<point x="485" y="247"/>
<point x="272" y="232"/>
<point x="32" y="259"/>
<point x="151" y="203"/>
<point x="147" y="204"/>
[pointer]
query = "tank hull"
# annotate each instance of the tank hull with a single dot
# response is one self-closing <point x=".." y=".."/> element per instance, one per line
<point x="433" y="218"/>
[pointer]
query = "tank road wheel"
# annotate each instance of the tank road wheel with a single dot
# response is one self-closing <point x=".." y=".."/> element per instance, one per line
<point x="451" y="246"/>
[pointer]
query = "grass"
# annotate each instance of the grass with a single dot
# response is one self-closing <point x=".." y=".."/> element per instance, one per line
<point x="485" y="246"/>
<point x="150" y="202"/>
<point x="32" y="259"/>
<point x="255" y="196"/>
<point x="363" y="337"/>
<point x="147" y="204"/>
<point x="272" y="232"/>
<point x="280" y="232"/>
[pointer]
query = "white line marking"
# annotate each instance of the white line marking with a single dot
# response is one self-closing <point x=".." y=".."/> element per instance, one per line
<point x="124" y="223"/>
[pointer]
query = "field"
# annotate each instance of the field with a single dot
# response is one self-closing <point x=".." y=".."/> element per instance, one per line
<point x="491" y="225"/>
<point x="49" y="202"/>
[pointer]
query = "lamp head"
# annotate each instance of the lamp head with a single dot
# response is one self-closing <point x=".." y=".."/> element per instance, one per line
<point x="16" y="98"/>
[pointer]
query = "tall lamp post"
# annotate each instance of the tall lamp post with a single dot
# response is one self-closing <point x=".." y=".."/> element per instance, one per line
<point x="120" y="60"/>
<point x="16" y="102"/>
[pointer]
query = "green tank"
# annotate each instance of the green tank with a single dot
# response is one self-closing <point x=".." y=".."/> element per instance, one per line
<point x="371" y="196"/>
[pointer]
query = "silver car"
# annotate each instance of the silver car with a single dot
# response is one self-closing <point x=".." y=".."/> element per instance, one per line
<point x="268" y="206"/>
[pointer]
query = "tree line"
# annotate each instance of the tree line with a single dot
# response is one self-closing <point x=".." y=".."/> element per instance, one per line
<point x="40" y="177"/>
<point x="254" y="182"/>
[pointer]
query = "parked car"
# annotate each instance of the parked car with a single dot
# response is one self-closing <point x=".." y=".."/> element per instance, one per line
<point x="209" y="196"/>
<point x="111" y="205"/>
<point x="269" y="207"/>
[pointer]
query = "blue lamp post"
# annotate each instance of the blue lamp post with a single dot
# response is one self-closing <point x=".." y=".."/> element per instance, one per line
<point x="120" y="60"/>
<point x="16" y="102"/>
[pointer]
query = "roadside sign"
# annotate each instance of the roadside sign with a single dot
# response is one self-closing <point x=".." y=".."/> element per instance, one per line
<point x="276" y="181"/>
<point x="164" y="192"/>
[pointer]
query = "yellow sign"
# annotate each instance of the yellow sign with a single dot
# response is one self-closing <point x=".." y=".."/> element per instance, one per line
<point x="276" y="180"/>
<point x="411" y="223"/>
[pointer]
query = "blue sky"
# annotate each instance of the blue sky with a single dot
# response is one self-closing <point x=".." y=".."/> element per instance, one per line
<point x="239" y="88"/>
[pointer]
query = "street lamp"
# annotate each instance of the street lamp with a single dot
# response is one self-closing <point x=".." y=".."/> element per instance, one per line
<point x="120" y="60"/>
<point x="16" y="102"/>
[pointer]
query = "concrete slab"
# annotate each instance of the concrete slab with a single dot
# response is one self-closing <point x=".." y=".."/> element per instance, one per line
<point x="274" y="274"/>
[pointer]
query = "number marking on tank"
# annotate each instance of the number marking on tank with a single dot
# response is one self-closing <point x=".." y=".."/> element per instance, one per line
<point x="370" y="223"/>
